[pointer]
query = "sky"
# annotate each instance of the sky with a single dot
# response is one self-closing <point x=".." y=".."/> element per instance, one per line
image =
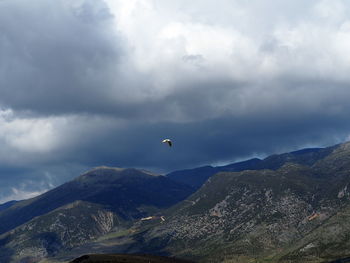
<point x="86" y="83"/>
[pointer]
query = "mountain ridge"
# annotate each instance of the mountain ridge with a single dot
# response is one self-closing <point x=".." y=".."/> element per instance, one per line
<point x="99" y="189"/>
<point x="195" y="177"/>
<point x="272" y="213"/>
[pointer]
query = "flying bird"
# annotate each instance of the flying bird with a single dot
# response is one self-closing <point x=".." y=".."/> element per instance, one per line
<point x="168" y="141"/>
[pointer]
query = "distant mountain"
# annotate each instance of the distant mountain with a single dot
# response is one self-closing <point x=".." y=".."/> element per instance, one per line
<point x="292" y="207"/>
<point x="124" y="190"/>
<point x="83" y="209"/>
<point x="7" y="204"/>
<point x="197" y="176"/>
<point x="193" y="177"/>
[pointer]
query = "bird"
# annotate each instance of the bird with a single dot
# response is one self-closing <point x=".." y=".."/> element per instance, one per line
<point x="168" y="141"/>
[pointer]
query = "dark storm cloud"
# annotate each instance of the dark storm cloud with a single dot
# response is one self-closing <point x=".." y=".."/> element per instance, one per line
<point x="204" y="142"/>
<point x="220" y="140"/>
<point x="56" y="56"/>
<point x="90" y="82"/>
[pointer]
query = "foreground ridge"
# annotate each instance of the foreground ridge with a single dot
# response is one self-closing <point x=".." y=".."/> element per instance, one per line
<point x="127" y="258"/>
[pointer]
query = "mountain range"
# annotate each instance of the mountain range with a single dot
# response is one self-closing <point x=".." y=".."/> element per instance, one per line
<point x="291" y="207"/>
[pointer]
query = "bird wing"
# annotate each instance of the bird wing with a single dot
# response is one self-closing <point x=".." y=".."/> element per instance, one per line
<point x="167" y="141"/>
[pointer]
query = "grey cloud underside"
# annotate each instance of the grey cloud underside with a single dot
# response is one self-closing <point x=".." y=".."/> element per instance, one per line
<point x="56" y="58"/>
<point x="69" y="58"/>
<point x="209" y="141"/>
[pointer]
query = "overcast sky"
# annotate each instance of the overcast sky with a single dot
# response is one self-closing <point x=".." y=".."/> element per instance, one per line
<point x="85" y="83"/>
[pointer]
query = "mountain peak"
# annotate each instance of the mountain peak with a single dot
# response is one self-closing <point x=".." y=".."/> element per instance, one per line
<point x="105" y="173"/>
<point x="101" y="170"/>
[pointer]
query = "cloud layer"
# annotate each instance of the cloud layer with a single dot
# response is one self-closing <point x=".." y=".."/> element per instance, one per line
<point x="93" y="82"/>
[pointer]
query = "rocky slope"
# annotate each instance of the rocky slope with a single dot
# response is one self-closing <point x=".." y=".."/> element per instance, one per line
<point x="64" y="228"/>
<point x="297" y="213"/>
<point x="293" y="207"/>
<point x="83" y="209"/>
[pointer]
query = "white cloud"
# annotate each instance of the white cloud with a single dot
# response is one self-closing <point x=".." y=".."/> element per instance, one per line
<point x="40" y="140"/>
<point x="334" y="10"/>
<point x="19" y="194"/>
<point x="303" y="40"/>
<point x="138" y="57"/>
<point x="29" y="135"/>
<point x="26" y="189"/>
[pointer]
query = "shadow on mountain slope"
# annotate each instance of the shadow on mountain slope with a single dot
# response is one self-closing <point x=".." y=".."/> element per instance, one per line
<point x="123" y="190"/>
<point x="126" y="258"/>
<point x="343" y="260"/>
<point x="6" y="253"/>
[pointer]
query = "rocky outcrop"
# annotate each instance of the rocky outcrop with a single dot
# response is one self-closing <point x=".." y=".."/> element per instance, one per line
<point x="64" y="228"/>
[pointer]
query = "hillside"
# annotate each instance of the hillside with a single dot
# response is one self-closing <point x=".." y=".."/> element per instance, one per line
<point x="83" y="209"/>
<point x="293" y="207"/>
<point x="7" y="205"/>
<point x="297" y="212"/>
<point x="63" y="228"/>
<point x="124" y="190"/>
